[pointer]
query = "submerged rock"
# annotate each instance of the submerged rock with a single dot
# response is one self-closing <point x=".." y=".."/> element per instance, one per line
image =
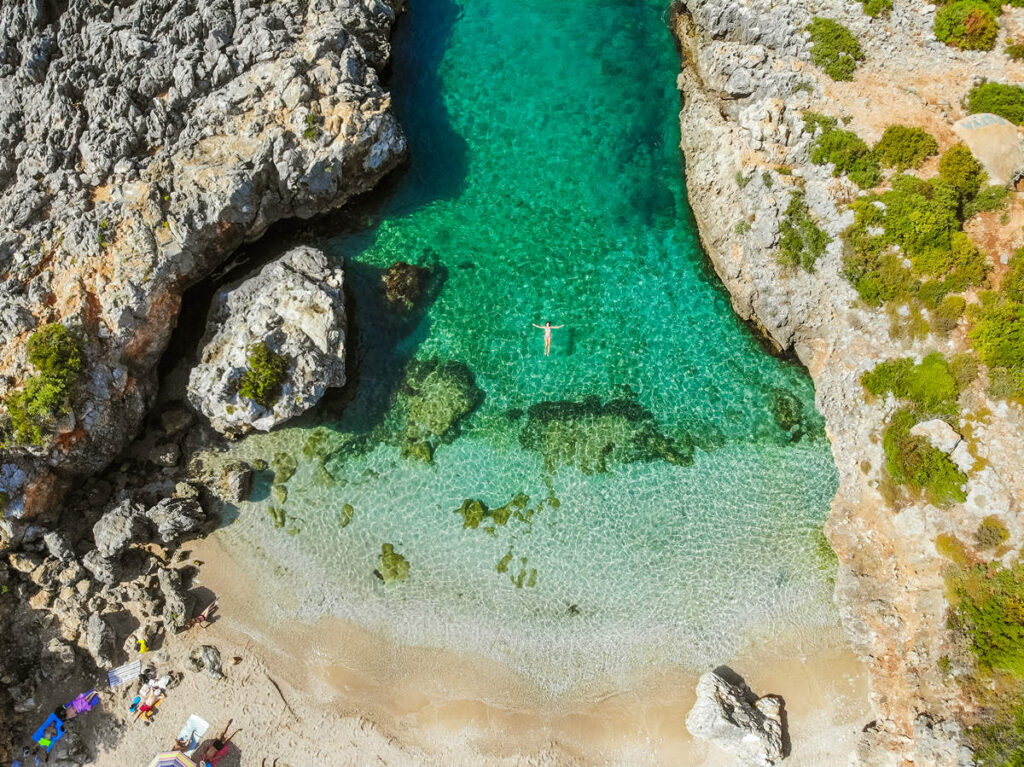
<point x="404" y="284"/>
<point x="434" y="398"/>
<point x="729" y="715"/>
<point x="293" y="308"/>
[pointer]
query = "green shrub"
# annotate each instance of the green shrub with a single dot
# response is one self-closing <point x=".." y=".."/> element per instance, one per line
<point x="960" y="170"/>
<point x="964" y="368"/>
<point x="266" y="371"/>
<point x="988" y="199"/>
<point x="998" y="332"/>
<point x="1004" y="100"/>
<point x="803" y="242"/>
<point x="952" y="548"/>
<point x="967" y="24"/>
<point x="987" y="604"/>
<point x="946" y="316"/>
<point x="991" y="533"/>
<point x="848" y="152"/>
<point x="1015" y="51"/>
<point x="875" y="8"/>
<point x="929" y="385"/>
<point x="814" y="120"/>
<point x="834" y="48"/>
<point x="914" y="462"/>
<point x="904" y="147"/>
<point x="57" y="356"/>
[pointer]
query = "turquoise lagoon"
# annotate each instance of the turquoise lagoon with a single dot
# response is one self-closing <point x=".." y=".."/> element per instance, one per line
<point x="675" y="525"/>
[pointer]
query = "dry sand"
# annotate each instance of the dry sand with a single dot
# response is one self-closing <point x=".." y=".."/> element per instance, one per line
<point x="332" y="694"/>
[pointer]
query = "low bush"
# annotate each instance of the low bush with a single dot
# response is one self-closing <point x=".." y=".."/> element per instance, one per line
<point x="834" y="48"/>
<point x="850" y="155"/>
<point x="802" y="242"/>
<point x="987" y="604"/>
<point x="998" y="331"/>
<point x="963" y="172"/>
<point x="991" y="533"/>
<point x="914" y="462"/>
<point x="266" y="372"/>
<point x="987" y="200"/>
<point x="946" y="316"/>
<point x="57" y="356"/>
<point x="904" y="147"/>
<point x="929" y="385"/>
<point x="998" y="98"/>
<point x="1015" y="51"/>
<point x="876" y="8"/>
<point x="967" y="24"/>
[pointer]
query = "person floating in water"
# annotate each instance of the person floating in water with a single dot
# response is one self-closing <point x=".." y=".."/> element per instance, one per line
<point x="547" y="327"/>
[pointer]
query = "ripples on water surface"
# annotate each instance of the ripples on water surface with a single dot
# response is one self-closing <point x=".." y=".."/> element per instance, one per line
<point x="546" y="183"/>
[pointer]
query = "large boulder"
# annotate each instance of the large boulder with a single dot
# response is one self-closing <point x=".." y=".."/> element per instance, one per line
<point x="729" y="715"/>
<point x="177" y="600"/>
<point x="175" y="518"/>
<point x="292" y="310"/>
<point x="100" y="641"/>
<point x="120" y="527"/>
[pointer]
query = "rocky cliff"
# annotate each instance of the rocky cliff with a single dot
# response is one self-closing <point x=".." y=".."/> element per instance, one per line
<point x="746" y="81"/>
<point x="140" y="143"/>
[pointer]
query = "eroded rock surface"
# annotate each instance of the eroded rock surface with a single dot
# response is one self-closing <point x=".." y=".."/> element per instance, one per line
<point x="746" y="82"/>
<point x="140" y="143"/>
<point x="732" y="717"/>
<point x="295" y="307"/>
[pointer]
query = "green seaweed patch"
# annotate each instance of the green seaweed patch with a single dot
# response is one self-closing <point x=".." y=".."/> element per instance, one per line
<point x="279" y="494"/>
<point x="278" y="517"/>
<point x="593" y="436"/>
<point x="504" y="562"/>
<point x="434" y="398"/>
<point x="475" y="511"/>
<point x="345" y="514"/>
<point x="393" y="566"/>
<point x="284" y="466"/>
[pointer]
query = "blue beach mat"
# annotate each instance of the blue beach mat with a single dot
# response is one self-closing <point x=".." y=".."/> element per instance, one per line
<point x="39" y="736"/>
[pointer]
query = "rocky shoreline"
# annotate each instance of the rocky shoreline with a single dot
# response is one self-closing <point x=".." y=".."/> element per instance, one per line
<point x="746" y="82"/>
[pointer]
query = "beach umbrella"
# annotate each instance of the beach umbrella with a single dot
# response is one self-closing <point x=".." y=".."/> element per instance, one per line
<point x="171" y="759"/>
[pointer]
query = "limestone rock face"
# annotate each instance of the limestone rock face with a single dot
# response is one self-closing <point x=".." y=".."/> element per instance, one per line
<point x="729" y="715"/>
<point x="119" y="528"/>
<point x="140" y="144"/>
<point x="296" y="307"/>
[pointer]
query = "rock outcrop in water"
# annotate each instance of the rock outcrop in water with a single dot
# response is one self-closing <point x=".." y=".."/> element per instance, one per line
<point x="294" y="310"/>
<point x="746" y="81"/>
<point x="140" y="143"/>
<point x="729" y="715"/>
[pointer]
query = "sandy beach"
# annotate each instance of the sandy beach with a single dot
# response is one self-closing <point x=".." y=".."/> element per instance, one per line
<point x="333" y="694"/>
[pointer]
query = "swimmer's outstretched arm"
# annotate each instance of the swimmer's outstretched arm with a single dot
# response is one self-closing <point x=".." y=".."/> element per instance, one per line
<point x="556" y="327"/>
<point x="537" y="326"/>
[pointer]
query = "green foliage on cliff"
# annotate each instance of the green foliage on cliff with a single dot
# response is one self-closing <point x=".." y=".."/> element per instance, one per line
<point x="266" y="372"/>
<point x="57" y="356"/>
<point x="963" y="172"/>
<point x="834" y="48"/>
<point x="875" y="8"/>
<point x="987" y="604"/>
<point x="998" y="98"/>
<point x="998" y="332"/>
<point x="912" y="461"/>
<point x="903" y="147"/>
<point x="967" y="24"/>
<point x="847" y="151"/>
<point x="930" y="385"/>
<point x="802" y="242"/>
<point x="991" y="533"/>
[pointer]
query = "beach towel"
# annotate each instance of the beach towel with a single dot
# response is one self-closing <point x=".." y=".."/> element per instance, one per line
<point x="40" y="737"/>
<point x="193" y="730"/>
<point x="124" y="674"/>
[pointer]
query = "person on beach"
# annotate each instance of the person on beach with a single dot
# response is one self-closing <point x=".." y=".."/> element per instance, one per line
<point x="218" y="748"/>
<point x="547" y="327"/>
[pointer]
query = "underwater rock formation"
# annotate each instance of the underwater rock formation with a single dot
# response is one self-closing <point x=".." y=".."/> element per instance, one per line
<point x="434" y="397"/>
<point x="294" y="308"/>
<point x="140" y="144"/>
<point x="404" y="284"/>
<point x="593" y="436"/>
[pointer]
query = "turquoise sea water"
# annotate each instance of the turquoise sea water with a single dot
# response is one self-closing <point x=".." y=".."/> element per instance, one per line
<point x="670" y="526"/>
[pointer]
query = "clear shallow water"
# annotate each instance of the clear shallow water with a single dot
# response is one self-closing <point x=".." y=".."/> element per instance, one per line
<point x="546" y="183"/>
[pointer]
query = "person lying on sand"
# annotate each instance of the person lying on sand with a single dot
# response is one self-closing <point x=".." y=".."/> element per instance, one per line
<point x="214" y="752"/>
